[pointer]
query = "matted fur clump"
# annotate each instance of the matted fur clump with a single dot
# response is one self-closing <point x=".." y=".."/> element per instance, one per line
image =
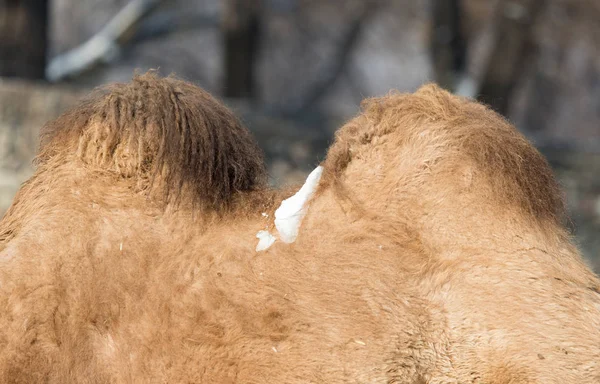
<point x="162" y="132"/>
<point x="432" y="251"/>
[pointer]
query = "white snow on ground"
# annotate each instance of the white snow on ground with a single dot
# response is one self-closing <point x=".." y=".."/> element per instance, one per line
<point x="290" y="213"/>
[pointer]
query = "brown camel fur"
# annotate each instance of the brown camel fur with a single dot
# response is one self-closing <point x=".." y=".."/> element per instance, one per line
<point x="433" y="251"/>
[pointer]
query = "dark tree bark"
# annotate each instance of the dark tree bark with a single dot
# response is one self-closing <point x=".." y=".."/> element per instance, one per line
<point x="23" y="38"/>
<point x="241" y="33"/>
<point x="513" y="46"/>
<point x="448" y="42"/>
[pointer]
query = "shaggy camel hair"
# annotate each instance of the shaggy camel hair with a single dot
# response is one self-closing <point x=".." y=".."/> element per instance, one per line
<point x="433" y="251"/>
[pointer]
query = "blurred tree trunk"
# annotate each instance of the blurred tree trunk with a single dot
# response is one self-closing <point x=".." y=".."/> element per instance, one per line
<point x="512" y="48"/>
<point x="241" y="30"/>
<point x="448" y="42"/>
<point x="23" y="38"/>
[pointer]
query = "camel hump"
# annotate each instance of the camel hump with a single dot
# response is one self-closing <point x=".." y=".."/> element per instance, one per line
<point x="163" y="133"/>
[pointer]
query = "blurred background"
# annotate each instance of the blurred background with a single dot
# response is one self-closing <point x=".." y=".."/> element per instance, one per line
<point x="295" y="70"/>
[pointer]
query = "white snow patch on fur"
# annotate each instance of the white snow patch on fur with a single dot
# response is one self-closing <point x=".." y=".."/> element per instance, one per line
<point x="290" y="213"/>
<point x="265" y="240"/>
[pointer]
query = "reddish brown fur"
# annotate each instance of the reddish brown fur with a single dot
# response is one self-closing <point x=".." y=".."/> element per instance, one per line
<point x="433" y="252"/>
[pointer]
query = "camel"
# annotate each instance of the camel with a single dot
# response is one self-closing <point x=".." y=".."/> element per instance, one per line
<point x="429" y="246"/>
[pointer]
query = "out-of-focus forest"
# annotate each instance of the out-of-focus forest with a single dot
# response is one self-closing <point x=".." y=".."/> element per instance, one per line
<point x="295" y="70"/>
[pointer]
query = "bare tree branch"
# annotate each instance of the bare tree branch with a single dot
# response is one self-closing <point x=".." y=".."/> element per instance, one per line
<point x="23" y="38"/>
<point x="448" y="43"/>
<point x="241" y="35"/>
<point x="103" y="46"/>
<point x="512" y="46"/>
<point x="338" y="64"/>
<point x="167" y="21"/>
